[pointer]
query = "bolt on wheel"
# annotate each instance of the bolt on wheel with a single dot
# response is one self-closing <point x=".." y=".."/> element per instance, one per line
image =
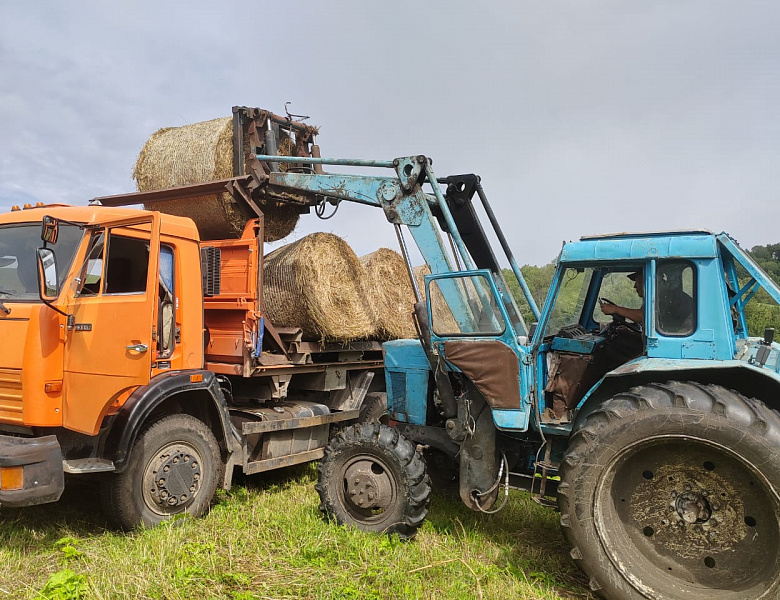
<point x="369" y="490"/>
<point x="172" y="478"/>
<point x="691" y="509"/>
<point x="374" y="479"/>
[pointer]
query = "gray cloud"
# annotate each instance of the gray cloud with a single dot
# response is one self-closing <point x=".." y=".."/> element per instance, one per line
<point x="580" y="117"/>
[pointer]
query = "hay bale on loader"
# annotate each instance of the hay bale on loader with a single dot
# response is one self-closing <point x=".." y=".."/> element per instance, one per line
<point x="390" y="294"/>
<point x="197" y="153"/>
<point x="318" y="284"/>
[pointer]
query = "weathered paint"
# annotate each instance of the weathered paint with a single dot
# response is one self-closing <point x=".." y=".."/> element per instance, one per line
<point x="641" y="247"/>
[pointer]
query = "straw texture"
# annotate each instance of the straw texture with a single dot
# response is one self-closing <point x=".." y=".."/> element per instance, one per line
<point x="197" y="153"/>
<point x="441" y="313"/>
<point x="318" y="285"/>
<point x="390" y="294"/>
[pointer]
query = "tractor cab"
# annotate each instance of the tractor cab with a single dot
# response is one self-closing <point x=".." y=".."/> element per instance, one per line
<point x="681" y="297"/>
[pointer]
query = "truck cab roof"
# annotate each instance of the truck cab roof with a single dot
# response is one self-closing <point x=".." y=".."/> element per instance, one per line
<point x="93" y="215"/>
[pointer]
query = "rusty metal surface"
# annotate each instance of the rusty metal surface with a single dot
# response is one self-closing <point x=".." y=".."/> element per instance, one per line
<point x="287" y="424"/>
<point x="288" y="369"/>
<point x="269" y="464"/>
<point x="184" y="191"/>
<point x="292" y="369"/>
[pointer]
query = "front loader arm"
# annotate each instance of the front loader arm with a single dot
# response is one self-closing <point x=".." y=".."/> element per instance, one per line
<point x="402" y="200"/>
<point x="405" y="203"/>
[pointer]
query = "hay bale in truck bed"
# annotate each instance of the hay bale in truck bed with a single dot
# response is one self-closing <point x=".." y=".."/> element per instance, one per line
<point x="318" y="285"/>
<point x="441" y="313"/>
<point x="197" y="153"/>
<point x="390" y="294"/>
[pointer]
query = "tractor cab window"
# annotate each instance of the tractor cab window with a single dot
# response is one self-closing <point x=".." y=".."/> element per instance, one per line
<point x="619" y="288"/>
<point x="675" y="292"/>
<point x="464" y="306"/>
<point x="569" y="300"/>
<point x="586" y="339"/>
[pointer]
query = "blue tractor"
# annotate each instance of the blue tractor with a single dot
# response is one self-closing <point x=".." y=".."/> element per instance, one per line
<point x="649" y="413"/>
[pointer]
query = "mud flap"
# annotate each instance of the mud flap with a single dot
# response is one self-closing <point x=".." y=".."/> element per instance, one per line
<point x="478" y="463"/>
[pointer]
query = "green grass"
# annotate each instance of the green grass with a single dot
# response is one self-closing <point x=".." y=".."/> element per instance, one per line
<point x="266" y="539"/>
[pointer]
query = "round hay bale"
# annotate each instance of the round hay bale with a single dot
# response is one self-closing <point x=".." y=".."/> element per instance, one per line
<point x="317" y="284"/>
<point x="197" y="153"/>
<point x="390" y="294"/>
<point x="440" y="311"/>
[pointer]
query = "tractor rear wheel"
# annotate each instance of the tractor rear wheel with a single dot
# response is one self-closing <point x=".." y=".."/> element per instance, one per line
<point x="672" y="491"/>
<point x="174" y="468"/>
<point x="373" y="478"/>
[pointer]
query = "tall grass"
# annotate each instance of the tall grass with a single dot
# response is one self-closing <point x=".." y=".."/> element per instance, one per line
<point x="266" y="539"/>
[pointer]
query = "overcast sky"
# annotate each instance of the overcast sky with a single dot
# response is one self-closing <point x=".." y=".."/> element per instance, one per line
<point x="581" y="117"/>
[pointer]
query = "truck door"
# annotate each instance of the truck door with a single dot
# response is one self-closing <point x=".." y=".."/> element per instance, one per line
<point x="110" y="345"/>
<point x="470" y="327"/>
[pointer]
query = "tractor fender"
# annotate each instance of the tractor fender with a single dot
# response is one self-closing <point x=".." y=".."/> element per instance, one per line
<point x="749" y="380"/>
<point x="134" y="413"/>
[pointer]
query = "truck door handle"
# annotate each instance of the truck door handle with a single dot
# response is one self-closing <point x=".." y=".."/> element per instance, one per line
<point x="140" y="348"/>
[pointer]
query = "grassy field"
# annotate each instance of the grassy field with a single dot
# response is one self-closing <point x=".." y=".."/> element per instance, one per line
<point x="265" y="539"/>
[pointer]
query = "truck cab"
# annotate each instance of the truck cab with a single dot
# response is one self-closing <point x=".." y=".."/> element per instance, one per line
<point x="135" y="349"/>
<point x="114" y="319"/>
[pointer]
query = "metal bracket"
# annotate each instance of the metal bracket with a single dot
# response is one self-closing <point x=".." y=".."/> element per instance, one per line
<point x="409" y="171"/>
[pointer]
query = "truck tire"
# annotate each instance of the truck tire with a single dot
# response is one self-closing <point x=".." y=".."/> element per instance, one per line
<point x="671" y="491"/>
<point x="174" y="468"/>
<point x="373" y="478"/>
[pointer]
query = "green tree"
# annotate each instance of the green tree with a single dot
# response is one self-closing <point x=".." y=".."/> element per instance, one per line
<point x="538" y="280"/>
<point x="763" y="311"/>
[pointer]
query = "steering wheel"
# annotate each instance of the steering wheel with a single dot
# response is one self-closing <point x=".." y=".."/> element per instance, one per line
<point x="621" y="320"/>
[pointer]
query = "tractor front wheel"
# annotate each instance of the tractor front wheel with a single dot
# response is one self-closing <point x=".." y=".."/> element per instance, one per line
<point x="373" y="478"/>
<point x="671" y="491"/>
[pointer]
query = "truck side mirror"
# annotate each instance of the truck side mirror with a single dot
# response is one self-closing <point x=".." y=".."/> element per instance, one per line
<point x="48" y="286"/>
<point x="50" y="229"/>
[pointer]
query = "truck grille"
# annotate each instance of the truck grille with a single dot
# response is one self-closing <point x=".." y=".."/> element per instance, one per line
<point x="10" y="396"/>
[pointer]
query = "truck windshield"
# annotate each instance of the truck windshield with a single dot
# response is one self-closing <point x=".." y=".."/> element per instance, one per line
<point x="18" y="270"/>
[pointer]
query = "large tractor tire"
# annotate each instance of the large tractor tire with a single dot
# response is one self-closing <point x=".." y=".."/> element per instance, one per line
<point x="373" y="408"/>
<point x="373" y="478"/>
<point x="174" y="468"/>
<point x="672" y="491"/>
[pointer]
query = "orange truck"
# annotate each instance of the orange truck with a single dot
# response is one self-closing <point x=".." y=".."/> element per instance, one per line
<point x="134" y="352"/>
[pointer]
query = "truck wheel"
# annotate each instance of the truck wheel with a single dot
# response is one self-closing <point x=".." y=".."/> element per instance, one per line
<point x="174" y="468"/>
<point x="671" y="491"/>
<point x="374" y="479"/>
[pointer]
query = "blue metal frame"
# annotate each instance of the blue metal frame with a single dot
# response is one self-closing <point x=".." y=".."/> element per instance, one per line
<point x="506" y="419"/>
<point x="713" y="343"/>
<point x="401" y="197"/>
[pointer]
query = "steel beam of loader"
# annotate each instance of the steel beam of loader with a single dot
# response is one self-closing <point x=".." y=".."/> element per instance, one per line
<point x="400" y="197"/>
<point x="507" y="250"/>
